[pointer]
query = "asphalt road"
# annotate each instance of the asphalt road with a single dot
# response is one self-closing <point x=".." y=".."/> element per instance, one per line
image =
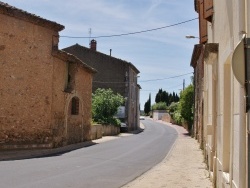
<point x="107" y="165"/>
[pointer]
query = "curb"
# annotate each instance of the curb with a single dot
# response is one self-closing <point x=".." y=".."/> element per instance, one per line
<point x="38" y="153"/>
<point x="8" y="155"/>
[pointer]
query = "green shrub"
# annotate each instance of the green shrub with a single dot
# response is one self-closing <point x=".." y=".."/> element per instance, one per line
<point x="186" y="105"/>
<point x="104" y="106"/>
<point x="159" y="106"/>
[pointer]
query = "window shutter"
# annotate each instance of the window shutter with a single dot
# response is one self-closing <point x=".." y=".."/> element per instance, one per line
<point x="208" y="10"/>
<point x="202" y="23"/>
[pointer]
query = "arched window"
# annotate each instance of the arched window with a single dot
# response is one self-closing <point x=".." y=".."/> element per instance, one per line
<point x="75" y="106"/>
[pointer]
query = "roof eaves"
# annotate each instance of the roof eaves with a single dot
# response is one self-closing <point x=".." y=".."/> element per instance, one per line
<point x="26" y="16"/>
<point x="69" y="57"/>
<point x="196" y="54"/>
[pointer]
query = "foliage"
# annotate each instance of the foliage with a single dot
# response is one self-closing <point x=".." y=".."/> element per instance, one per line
<point x="186" y="105"/>
<point x="147" y="106"/>
<point x="172" y="108"/>
<point x="177" y="117"/>
<point x="104" y="106"/>
<point x="168" y="98"/>
<point x="159" y="106"/>
<point x="175" y="113"/>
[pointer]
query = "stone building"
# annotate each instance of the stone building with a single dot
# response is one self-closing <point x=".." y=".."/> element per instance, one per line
<point x="45" y="93"/>
<point x="223" y="101"/>
<point x="197" y="64"/>
<point x="119" y="75"/>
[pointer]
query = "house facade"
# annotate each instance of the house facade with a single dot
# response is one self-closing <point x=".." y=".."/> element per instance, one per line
<point x="119" y="75"/>
<point x="45" y="93"/>
<point x="221" y="66"/>
<point x="198" y="65"/>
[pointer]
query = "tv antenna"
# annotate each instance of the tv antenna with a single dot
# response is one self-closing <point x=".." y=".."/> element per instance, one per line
<point x="90" y="32"/>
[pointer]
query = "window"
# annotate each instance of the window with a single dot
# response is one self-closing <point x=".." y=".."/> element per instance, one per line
<point x="75" y="106"/>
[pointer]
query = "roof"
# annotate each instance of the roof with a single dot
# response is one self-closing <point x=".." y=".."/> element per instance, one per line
<point x="196" y="54"/>
<point x="71" y="58"/>
<point x="32" y="18"/>
<point x="102" y="54"/>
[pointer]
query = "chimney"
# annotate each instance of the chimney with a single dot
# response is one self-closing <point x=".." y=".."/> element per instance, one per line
<point x="92" y="44"/>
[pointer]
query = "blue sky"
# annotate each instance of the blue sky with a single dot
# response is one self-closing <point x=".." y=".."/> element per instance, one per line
<point x="157" y="54"/>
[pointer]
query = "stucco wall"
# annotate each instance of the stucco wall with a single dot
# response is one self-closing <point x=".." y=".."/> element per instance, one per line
<point x="26" y="82"/>
<point x="228" y="125"/>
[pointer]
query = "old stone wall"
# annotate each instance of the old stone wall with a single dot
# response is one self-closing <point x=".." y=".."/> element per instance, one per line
<point x="45" y="93"/>
<point x="198" y="115"/>
<point x="83" y="85"/>
<point x="59" y="102"/>
<point x="98" y="131"/>
<point x="26" y="82"/>
<point x="71" y="128"/>
<point x="167" y="118"/>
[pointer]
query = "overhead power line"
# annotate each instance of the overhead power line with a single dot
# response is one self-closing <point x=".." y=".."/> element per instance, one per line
<point x="132" y="33"/>
<point x="103" y="82"/>
<point x="163" y="88"/>
<point x="165" y="78"/>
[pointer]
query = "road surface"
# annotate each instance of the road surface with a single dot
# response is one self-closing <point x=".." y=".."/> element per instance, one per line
<point x="110" y="164"/>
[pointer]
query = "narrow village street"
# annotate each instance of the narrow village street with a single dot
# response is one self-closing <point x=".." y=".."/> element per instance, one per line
<point x="79" y="78"/>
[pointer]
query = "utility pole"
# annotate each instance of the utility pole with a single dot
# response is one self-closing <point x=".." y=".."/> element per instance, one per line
<point x="183" y="84"/>
<point x="90" y="32"/>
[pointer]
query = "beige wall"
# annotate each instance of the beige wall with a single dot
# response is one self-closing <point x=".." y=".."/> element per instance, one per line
<point x="228" y="132"/>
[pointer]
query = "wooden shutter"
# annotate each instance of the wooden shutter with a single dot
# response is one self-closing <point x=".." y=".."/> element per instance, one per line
<point x="208" y="10"/>
<point x="202" y="23"/>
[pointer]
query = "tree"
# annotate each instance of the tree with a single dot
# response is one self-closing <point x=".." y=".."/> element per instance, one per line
<point x="186" y="105"/>
<point x="164" y="97"/>
<point x="150" y="101"/>
<point x="168" y="98"/>
<point x="158" y="97"/>
<point x="147" y="106"/>
<point x="104" y="106"/>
